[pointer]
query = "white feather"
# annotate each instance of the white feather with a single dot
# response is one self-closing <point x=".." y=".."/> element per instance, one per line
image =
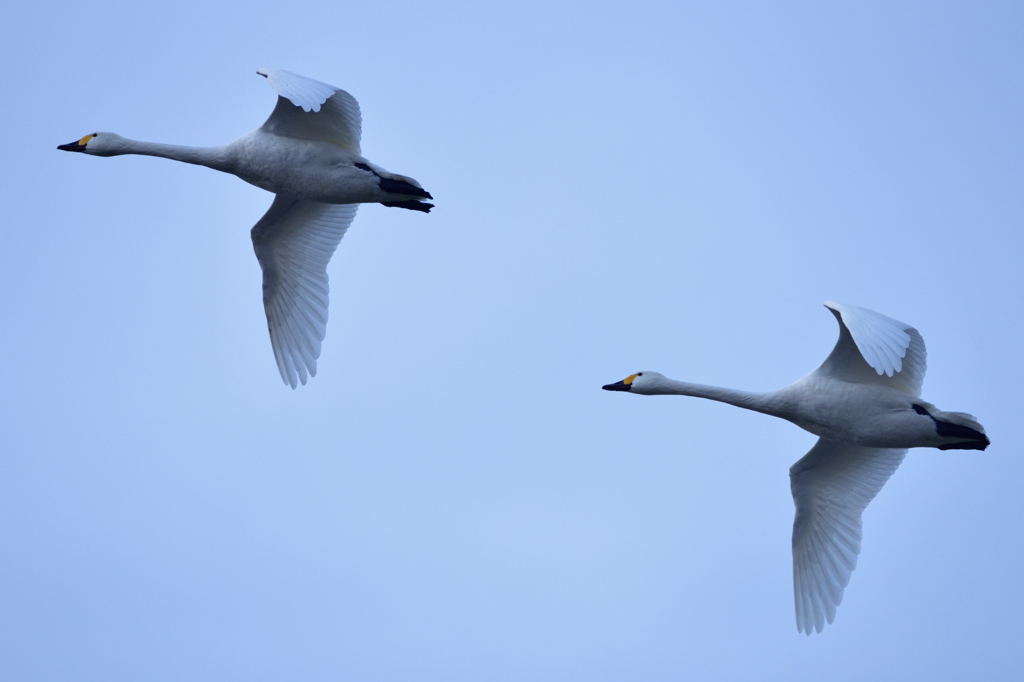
<point x="294" y="241"/>
<point x="832" y="485"/>
<point x="311" y="110"/>
<point x="873" y="348"/>
<point x="303" y="92"/>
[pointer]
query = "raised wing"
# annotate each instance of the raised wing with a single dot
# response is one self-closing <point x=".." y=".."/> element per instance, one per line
<point x="310" y="110"/>
<point x="294" y="241"/>
<point x="832" y="485"/>
<point x="873" y="348"/>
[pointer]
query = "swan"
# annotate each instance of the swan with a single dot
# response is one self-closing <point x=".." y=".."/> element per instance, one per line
<point x="863" y="403"/>
<point x="307" y="153"/>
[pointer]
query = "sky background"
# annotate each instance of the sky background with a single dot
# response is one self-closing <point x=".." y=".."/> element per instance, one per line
<point x="619" y="187"/>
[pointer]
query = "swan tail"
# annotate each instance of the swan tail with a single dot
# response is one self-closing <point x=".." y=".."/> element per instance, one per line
<point x="961" y="425"/>
<point x="396" y="185"/>
<point x="411" y="204"/>
<point x="968" y="433"/>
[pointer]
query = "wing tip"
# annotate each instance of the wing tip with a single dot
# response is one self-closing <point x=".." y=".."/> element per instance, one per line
<point x="884" y="355"/>
<point x="303" y="92"/>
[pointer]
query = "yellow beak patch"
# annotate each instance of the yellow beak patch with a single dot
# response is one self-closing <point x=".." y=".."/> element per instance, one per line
<point x="629" y="380"/>
<point x="85" y="140"/>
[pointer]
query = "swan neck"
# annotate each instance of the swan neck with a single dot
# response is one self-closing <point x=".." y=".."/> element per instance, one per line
<point x="211" y="157"/>
<point x="759" y="402"/>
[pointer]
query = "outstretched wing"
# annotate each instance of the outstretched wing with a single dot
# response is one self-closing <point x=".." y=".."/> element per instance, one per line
<point x="294" y="241"/>
<point x="310" y="110"/>
<point x="873" y="348"/>
<point x="832" y="485"/>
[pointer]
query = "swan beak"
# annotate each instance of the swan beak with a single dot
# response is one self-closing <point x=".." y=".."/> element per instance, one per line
<point x="617" y="386"/>
<point x="75" y="146"/>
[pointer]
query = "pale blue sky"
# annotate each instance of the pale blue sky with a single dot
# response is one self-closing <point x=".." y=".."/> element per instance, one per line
<point x="675" y="187"/>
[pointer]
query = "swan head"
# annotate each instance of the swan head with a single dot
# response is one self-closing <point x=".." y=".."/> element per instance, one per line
<point x="97" y="144"/>
<point x="644" y="383"/>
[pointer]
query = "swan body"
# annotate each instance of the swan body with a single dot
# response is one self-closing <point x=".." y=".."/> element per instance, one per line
<point x="307" y="154"/>
<point x="863" y="403"/>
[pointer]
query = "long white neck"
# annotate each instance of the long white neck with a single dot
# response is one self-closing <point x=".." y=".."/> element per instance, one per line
<point x="759" y="402"/>
<point x="216" y="158"/>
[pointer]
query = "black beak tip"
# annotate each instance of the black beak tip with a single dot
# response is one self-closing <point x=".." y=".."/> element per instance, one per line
<point x="617" y="386"/>
<point x="71" y="147"/>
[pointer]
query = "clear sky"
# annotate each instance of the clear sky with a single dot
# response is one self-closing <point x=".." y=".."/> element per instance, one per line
<point x="674" y="187"/>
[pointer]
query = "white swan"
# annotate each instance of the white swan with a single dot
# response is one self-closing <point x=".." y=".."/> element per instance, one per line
<point x="863" y="403"/>
<point x="307" y="153"/>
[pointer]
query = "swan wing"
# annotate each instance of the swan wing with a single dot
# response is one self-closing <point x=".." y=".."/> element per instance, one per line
<point x="294" y="241"/>
<point x="873" y="348"/>
<point x="832" y="485"/>
<point x="310" y="110"/>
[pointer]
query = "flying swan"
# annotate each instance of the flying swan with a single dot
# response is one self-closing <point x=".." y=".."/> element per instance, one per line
<point x="863" y="403"/>
<point x="307" y="153"/>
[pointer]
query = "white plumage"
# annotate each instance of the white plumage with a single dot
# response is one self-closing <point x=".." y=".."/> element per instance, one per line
<point x="832" y="485"/>
<point x="863" y="402"/>
<point x="294" y="242"/>
<point x="303" y="92"/>
<point x="307" y="153"/>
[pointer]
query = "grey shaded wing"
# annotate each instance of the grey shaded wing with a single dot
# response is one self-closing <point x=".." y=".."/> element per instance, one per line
<point x="832" y="485"/>
<point x="310" y="110"/>
<point x="294" y="241"/>
<point x="875" y="349"/>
